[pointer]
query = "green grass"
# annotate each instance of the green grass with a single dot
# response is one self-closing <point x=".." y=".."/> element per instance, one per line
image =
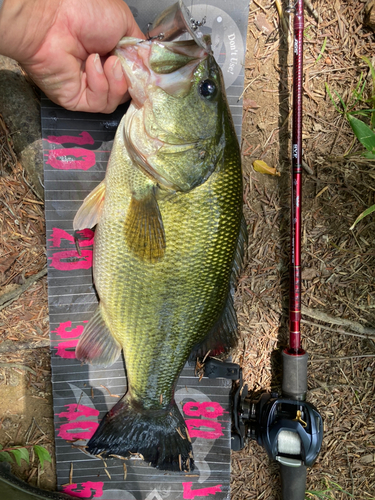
<point x="328" y="493"/>
<point x="18" y="453"/>
<point x="360" y="106"/>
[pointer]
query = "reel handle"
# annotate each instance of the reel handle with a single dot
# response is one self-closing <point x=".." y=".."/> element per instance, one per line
<point x="294" y="386"/>
<point x="293" y="482"/>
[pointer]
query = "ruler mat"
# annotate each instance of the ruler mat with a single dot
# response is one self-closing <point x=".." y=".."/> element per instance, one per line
<point x="76" y="152"/>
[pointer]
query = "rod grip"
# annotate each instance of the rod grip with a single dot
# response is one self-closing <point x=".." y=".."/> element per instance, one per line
<point x="293" y="482"/>
<point x="294" y="384"/>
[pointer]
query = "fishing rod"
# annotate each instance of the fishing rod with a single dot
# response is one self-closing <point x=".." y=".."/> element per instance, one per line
<point x="289" y="428"/>
<point x="294" y="381"/>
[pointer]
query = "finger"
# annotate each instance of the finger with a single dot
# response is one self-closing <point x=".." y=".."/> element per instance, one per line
<point x="133" y="29"/>
<point x="94" y="94"/>
<point x="117" y="91"/>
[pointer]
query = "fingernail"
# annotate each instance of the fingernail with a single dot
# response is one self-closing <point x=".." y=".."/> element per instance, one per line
<point x="98" y="64"/>
<point x="117" y="70"/>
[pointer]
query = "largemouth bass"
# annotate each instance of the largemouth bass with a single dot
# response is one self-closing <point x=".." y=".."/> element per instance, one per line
<point x="167" y="245"/>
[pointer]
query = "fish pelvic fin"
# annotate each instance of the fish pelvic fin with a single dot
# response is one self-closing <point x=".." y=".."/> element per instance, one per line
<point x="144" y="230"/>
<point x="88" y="214"/>
<point x="160" y="437"/>
<point x="97" y="345"/>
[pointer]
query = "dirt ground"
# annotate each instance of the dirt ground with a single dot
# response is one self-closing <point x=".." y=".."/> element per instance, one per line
<point x="338" y="264"/>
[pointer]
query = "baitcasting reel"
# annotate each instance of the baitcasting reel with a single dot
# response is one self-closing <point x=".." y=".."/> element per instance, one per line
<point x="290" y="431"/>
<point x="286" y="426"/>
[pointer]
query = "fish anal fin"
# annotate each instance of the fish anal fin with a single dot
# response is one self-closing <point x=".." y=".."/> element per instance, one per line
<point x="144" y="230"/>
<point x="97" y="345"/>
<point x="88" y="214"/>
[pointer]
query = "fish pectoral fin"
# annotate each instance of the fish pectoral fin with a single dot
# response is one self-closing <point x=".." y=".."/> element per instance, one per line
<point x="88" y="214"/>
<point x="97" y="345"/>
<point x="144" y="230"/>
<point x="223" y="336"/>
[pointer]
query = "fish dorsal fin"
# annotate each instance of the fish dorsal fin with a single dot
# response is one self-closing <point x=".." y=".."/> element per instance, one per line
<point x="223" y="336"/>
<point x="144" y="230"/>
<point x="96" y="345"/>
<point x="88" y="214"/>
<point x="239" y="256"/>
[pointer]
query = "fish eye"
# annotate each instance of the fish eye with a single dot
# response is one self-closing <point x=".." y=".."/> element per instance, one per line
<point x="207" y="89"/>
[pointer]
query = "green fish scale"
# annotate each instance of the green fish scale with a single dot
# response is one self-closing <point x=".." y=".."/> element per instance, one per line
<point x="159" y="311"/>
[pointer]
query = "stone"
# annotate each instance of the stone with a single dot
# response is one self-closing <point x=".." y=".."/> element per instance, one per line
<point x="20" y="109"/>
<point x="370" y="14"/>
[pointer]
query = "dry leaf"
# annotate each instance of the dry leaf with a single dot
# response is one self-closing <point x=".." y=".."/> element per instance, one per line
<point x="367" y="459"/>
<point x="250" y="103"/>
<point x="262" y="167"/>
<point x="263" y="25"/>
<point x="7" y="262"/>
<point x="309" y="273"/>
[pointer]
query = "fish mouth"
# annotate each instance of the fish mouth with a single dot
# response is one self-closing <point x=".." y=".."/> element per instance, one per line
<point x="150" y="66"/>
<point x="167" y="65"/>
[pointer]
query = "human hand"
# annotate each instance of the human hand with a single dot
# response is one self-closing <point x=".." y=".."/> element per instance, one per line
<point x="64" y="46"/>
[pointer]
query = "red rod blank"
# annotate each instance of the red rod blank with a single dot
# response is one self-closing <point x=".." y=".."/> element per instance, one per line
<point x="296" y="202"/>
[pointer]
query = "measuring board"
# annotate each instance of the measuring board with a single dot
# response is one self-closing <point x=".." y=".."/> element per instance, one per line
<point x="76" y="151"/>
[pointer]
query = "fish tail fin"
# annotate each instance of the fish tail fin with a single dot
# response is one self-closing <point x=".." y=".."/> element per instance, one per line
<point x="160" y="436"/>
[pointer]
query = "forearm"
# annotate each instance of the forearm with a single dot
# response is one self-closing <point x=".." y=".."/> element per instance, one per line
<point x="24" y="25"/>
